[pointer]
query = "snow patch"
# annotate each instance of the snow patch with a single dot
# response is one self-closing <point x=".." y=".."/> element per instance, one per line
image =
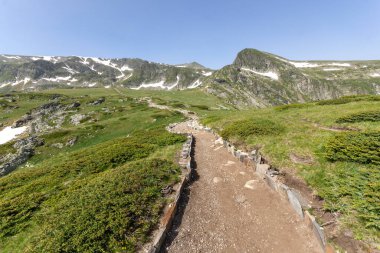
<point x="332" y="69"/>
<point x="51" y="59"/>
<point x="107" y="86"/>
<point x="313" y="65"/>
<point x="9" y="133"/>
<point x="195" y="84"/>
<point x="206" y="73"/>
<point x="269" y="74"/>
<point x="157" y="85"/>
<point x="339" y="64"/>
<point x="11" y="57"/>
<point x="304" y="64"/>
<point x="57" y="79"/>
<point x="374" y="75"/>
<point x="70" y="70"/>
<point x="25" y="81"/>
<point x="126" y="67"/>
<point x="91" y="84"/>
<point x="4" y="85"/>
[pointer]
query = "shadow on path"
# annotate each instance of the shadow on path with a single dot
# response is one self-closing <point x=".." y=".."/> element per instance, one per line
<point x="184" y="199"/>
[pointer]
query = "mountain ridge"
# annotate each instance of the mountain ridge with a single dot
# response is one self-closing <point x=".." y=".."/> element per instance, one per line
<point x="260" y="79"/>
<point x="254" y="78"/>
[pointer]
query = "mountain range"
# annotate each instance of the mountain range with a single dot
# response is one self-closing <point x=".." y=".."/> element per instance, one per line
<point x="255" y="78"/>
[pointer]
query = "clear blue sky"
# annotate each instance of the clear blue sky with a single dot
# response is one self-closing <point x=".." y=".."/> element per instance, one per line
<point x="176" y="31"/>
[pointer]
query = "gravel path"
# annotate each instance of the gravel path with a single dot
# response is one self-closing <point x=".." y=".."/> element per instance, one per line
<point x="228" y="208"/>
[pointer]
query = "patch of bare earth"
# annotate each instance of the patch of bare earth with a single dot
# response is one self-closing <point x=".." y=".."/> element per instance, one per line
<point x="228" y="208"/>
<point x="329" y="221"/>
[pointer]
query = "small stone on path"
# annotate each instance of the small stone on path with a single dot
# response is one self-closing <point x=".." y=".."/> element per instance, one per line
<point x="215" y="149"/>
<point x="217" y="180"/>
<point x="251" y="184"/>
<point x="240" y="199"/>
<point x="229" y="163"/>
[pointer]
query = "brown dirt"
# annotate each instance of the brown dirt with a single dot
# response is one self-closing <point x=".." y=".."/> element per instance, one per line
<point x="343" y="238"/>
<point x="229" y="208"/>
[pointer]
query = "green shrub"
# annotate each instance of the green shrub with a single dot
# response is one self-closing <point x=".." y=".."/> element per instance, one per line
<point x="245" y="128"/>
<point x="355" y="147"/>
<point x="290" y="106"/>
<point x="349" y="99"/>
<point x="359" y="117"/>
<point x="158" y="137"/>
<point x="201" y="107"/>
<point x="112" y="212"/>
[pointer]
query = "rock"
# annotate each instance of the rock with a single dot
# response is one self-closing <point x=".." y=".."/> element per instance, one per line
<point x="23" y="121"/>
<point x="57" y="145"/>
<point x="217" y="180"/>
<point x="74" y="105"/>
<point x="72" y="141"/>
<point x="240" y="199"/>
<point x="251" y="184"/>
<point x="262" y="168"/>
<point x="77" y="118"/>
<point x="295" y="203"/>
<point x="229" y="163"/>
<point x="167" y="190"/>
<point x="98" y="101"/>
<point x="219" y="141"/>
<point x="25" y="149"/>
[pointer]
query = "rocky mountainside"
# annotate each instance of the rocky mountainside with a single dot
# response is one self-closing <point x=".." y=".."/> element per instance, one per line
<point x="260" y="79"/>
<point x="255" y="78"/>
<point x="36" y="73"/>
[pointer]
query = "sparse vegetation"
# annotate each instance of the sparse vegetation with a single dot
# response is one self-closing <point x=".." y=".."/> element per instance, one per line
<point x="245" y="128"/>
<point x="359" y="117"/>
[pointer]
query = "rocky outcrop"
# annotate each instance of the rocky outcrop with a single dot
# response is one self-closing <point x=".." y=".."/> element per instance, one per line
<point x="24" y="150"/>
<point x="98" y="101"/>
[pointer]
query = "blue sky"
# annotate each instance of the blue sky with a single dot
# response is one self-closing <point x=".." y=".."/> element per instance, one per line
<point x="176" y="31"/>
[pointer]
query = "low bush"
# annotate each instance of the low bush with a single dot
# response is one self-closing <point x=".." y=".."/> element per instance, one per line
<point x="355" y="147"/>
<point x="201" y="107"/>
<point x="349" y="99"/>
<point x="359" y="117"/>
<point x="291" y="106"/>
<point x="244" y="128"/>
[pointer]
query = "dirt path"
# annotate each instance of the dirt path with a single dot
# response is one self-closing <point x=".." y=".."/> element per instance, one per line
<point x="228" y="208"/>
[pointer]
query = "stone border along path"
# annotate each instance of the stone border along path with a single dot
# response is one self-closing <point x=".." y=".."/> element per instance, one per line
<point x="170" y="210"/>
<point x="254" y="161"/>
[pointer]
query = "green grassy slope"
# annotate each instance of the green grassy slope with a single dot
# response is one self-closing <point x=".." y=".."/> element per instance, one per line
<point x="101" y="195"/>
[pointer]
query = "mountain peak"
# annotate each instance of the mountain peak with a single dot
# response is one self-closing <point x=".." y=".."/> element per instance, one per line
<point x="194" y="65"/>
<point x="254" y="58"/>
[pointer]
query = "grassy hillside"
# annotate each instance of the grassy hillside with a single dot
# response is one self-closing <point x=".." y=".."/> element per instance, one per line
<point x="102" y="194"/>
<point x="334" y="145"/>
